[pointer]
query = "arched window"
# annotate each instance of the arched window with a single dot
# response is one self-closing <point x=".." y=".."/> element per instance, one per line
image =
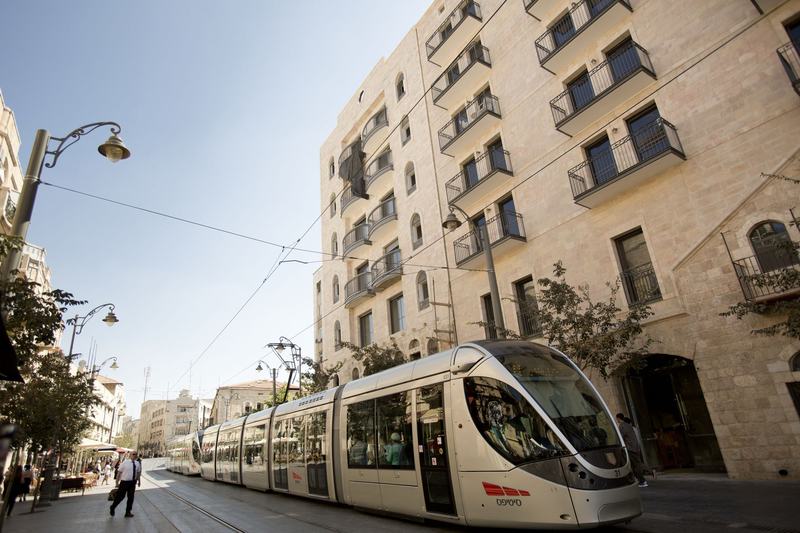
<point x="335" y="380"/>
<point x="413" y="345"/>
<point x="332" y="203"/>
<point x="337" y="335"/>
<point x="400" y="85"/>
<point x="334" y="245"/>
<point x="433" y="346"/>
<point x="772" y="246"/>
<point x="331" y="168"/>
<point x="422" y="290"/>
<point x="416" y="231"/>
<point x="335" y="289"/>
<point x="355" y="373"/>
<point x="411" y="178"/>
<point x="794" y="362"/>
<point x="405" y="131"/>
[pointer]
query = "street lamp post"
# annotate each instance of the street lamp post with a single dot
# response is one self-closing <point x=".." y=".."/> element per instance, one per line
<point x="274" y="372"/>
<point x="113" y="150"/>
<point x="79" y="321"/>
<point x="450" y="223"/>
<point x="296" y="352"/>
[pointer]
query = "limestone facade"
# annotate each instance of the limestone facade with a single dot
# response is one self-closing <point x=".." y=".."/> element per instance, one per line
<point x="729" y="119"/>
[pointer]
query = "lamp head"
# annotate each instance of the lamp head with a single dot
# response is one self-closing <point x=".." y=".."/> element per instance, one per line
<point x="259" y="368"/>
<point x="111" y="319"/>
<point x="114" y="365"/>
<point x="114" y="149"/>
<point x="451" y="222"/>
<point x="280" y="348"/>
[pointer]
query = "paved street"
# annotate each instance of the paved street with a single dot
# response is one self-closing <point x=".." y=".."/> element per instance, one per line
<point x="676" y="503"/>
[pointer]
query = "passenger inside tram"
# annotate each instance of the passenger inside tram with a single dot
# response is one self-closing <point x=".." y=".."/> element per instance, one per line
<point x="358" y="450"/>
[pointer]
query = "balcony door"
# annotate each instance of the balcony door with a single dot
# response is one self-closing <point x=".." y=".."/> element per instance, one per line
<point x="601" y="161"/>
<point x="793" y="29"/>
<point x="647" y="134"/>
<point x="598" y="6"/>
<point x="508" y="217"/>
<point x="623" y="60"/>
<point x="638" y="276"/>
<point x="478" y="223"/>
<point x="470" y="171"/>
<point x="497" y="156"/>
<point x="580" y="91"/>
<point x="563" y="30"/>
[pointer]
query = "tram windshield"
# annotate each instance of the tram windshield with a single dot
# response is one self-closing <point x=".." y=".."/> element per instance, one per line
<point x="564" y="394"/>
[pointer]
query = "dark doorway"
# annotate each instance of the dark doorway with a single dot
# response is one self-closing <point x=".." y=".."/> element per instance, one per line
<point x="666" y="402"/>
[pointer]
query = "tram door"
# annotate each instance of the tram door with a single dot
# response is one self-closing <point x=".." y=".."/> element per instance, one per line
<point x="433" y="454"/>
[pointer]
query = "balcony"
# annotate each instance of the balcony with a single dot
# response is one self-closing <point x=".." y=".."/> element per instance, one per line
<point x="641" y="285"/>
<point x="349" y="198"/>
<point x="355" y="237"/>
<point x="379" y="218"/>
<point x="561" y="45"/>
<point x="387" y="270"/>
<point x="357" y="289"/>
<point x="790" y="59"/>
<point x="629" y="163"/>
<point x="455" y="32"/>
<point x="470" y="125"/>
<point x="539" y="8"/>
<point x="476" y="181"/>
<point x="378" y="174"/>
<point x="459" y="80"/>
<point x="602" y="89"/>
<point x="372" y="136"/>
<point x="765" y="276"/>
<point x="505" y="231"/>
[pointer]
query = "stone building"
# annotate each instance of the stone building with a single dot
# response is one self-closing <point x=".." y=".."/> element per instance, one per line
<point x="161" y="420"/>
<point x="631" y="140"/>
<point x="106" y="416"/>
<point x="233" y="401"/>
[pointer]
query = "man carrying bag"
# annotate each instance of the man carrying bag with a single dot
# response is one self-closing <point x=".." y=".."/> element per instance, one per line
<point x="129" y="472"/>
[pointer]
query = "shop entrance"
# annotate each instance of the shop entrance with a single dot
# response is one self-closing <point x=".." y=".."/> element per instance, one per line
<point x="666" y="402"/>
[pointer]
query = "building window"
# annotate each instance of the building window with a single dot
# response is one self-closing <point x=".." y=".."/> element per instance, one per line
<point x="772" y="246"/>
<point x="332" y="205"/>
<point x="411" y="178"/>
<point x="413" y="345"/>
<point x="526" y="307"/>
<point x="400" y="86"/>
<point x="405" y="131"/>
<point x="580" y="91"/>
<point x="422" y="290"/>
<point x="638" y="275"/>
<point x="416" y="231"/>
<point x="337" y="335"/>
<point x="335" y="380"/>
<point x="397" y="314"/>
<point x="601" y="160"/>
<point x="794" y="362"/>
<point x="331" y="168"/>
<point x="365" y="333"/>
<point x="334" y="245"/>
<point x="433" y="346"/>
<point x="335" y="289"/>
<point x="355" y="373"/>
<point x="488" y="317"/>
<point x="319" y="287"/>
<point x="649" y="138"/>
<point x="794" y="392"/>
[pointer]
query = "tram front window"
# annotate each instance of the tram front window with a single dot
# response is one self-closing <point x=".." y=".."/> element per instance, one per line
<point x="509" y="423"/>
<point x="564" y="394"/>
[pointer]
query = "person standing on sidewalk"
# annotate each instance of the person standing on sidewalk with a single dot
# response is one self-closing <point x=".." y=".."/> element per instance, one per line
<point x="129" y="472"/>
<point x="14" y="487"/>
<point x="634" y="450"/>
<point x="27" y="479"/>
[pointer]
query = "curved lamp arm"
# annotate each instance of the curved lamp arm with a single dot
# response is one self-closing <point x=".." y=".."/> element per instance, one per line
<point x="80" y="321"/>
<point x="74" y="136"/>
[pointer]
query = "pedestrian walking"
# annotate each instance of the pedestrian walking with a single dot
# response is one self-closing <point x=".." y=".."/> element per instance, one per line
<point x="634" y="449"/>
<point x="27" y="479"/>
<point x="107" y="471"/>
<point x="14" y="487"/>
<point x="129" y="473"/>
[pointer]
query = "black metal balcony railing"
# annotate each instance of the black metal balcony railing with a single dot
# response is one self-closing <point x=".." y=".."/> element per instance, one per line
<point x="378" y="167"/>
<point x="760" y="274"/>
<point x="472" y="174"/>
<point x="465" y="9"/>
<point x="376" y="122"/>
<point x="581" y="15"/>
<point x="507" y="224"/>
<point x="641" y="284"/>
<point x="354" y="237"/>
<point x="474" y="54"/>
<point x="359" y="284"/>
<point x="602" y="79"/>
<point x="625" y="155"/>
<point x="388" y="265"/>
<point x="789" y="55"/>
<point x="348" y="197"/>
<point x="386" y="211"/>
<point x="464" y="119"/>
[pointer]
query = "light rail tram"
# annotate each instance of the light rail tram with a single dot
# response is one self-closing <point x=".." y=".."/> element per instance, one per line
<point x="491" y="433"/>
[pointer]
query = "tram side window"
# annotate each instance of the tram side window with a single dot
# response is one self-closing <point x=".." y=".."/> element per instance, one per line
<point x="395" y="446"/>
<point x="509" y="423"/>
<point x="254" y="445"/>
<point x="315" y="439"/>
<point x="297" y="436"/>
<point x="361" y="434"/>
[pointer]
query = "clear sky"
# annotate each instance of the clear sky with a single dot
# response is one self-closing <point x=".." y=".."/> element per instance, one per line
<point x="224" y="106"/>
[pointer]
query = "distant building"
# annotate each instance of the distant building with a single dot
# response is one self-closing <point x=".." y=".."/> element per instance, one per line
<point x="233" y="401"/>
<point x="161" y="420"/>
<point x="129" y="433"/>
<point x="106" y="416"/>
<point x="10" y="167"/>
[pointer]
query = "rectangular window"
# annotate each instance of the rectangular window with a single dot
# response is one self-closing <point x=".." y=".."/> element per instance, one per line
<point x="647" y="133"/>
<point x="526" y="307"/>
<point x="794" y="392"/>
<point x="365" y="329"/>
<point x="509" y="223"/>
<point x="638" y="275"/>
<point x="397" y="314"/>
<point x="361" y="435"/>
<point x="601" y="161"/>
<point x="469" y="170"/>
<point x="563" y="30"/>
<point x="395" y="445"/>
<point x="488" y="317"/>
<point x="581" y="91"/>
<point x="317" y="454"/>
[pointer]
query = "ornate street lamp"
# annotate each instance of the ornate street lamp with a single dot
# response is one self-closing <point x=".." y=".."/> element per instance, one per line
<point x="79" y="321"/>
<point x="274" y="372"/>
<point x="296" y="353"/>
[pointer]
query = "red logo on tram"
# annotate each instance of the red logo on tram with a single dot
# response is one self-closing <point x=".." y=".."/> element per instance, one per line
<point x="296" y="477"/>
<point x="496" y="490"/>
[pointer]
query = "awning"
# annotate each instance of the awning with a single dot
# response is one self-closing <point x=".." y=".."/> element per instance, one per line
<point x="96" y="445"/>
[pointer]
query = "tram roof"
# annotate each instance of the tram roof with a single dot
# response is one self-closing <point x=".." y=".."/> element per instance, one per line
<point x="236" y="422"/>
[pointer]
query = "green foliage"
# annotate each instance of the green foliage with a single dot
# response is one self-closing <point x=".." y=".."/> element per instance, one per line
<point x="594" y="334"/>
<point x="125" y="441"/>
<point x="376" y="358"/>
<point x="316" y="377"/>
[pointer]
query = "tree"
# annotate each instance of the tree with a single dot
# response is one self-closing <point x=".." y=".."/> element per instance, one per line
<point x="317" y="377"/>
<point x="125" y="441"/>
<point x="376" y="358"/>
<point x="594" y="334"/>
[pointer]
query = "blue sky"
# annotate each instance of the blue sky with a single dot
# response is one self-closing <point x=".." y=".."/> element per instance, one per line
<point x="224" y="106"/>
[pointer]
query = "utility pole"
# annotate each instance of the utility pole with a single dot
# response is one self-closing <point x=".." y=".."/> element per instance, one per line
<point x="274" y="389"/>
<point x="144" y="399"/>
